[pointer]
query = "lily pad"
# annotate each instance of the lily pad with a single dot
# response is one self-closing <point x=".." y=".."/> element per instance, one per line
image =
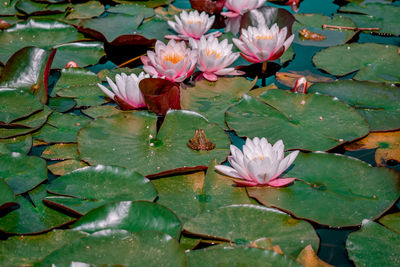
<point x="310" y="122"/>
<point x="66" y="166"/>
<point x="314" y="22"/>
<point x="147" y="3"/>
<point x="132" y="9"/>
<point x="378" y="103"/>
<point x="101" y="111"/>
<point x="7" y="8"/>
<point x="237" y="256"/>
<point x="239" y="223"/>
<point x="30" y="8"/>
<point x="156" y="28"/>
<point x="30" y="250"/>
<point x="333" y="190"/>
<point x="391" y="221"/>
<point x="85" y="10"/>
<point x="7" y="198"/>
<point x="372" y="62"/>
<point x="128" y="140"/>
<point x="212" y="99"/>
<point x="43" y="33"/>
<point x="61" y="104"/>
<point x="61" y="128"/>
<point x="22" y="173"/>
<point x="21" y="144"/>
<point x="132" y="216"/>
<point x="33" y="217"/>
<point x="147" y="248"/>
<point x="60" y="152"/>
<point x="188" y="195"/>
<point x="91" y="187"/>
<point x="373" y="245"/>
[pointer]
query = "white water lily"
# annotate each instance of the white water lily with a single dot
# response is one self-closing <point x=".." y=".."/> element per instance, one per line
<point x="126" y="90"/>
<point x="214" y="57"/>
<point x="191" y="25"/>
<point x="260" y="163"/>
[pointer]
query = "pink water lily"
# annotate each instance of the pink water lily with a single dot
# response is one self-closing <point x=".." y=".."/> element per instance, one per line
<point x="236" y="9"/>
<point x="262" y="44"/>
<point x="260" y="163"/>
<point x="126" y="90"/>
<point x="174" y="61"/>
<point x="214" y="57"/>
<point x="191" y="25"/>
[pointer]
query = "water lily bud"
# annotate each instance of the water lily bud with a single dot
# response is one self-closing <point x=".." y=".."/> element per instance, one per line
<point x="300" y="85"/>
<point x="72" y="64"/>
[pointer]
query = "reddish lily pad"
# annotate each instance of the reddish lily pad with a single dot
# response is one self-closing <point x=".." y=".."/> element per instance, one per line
<point x="310" y="122"/>
<point x="60" y="152"/>
<point x="239" y="223"/>
<point x="333" y="190"/>
<point x="129" y="140"/>
<point x="85" y="189"/>
<point x="66" y="166"/>
<point x="132" y="216"/>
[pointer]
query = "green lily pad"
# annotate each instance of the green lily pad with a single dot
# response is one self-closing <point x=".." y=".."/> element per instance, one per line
<point x="66" y="166"/>
<point x="33" y="217"/>
<point x="21" y="144"/>
<point x="237" y="256"/>
<point x="22" y="173"/>
<point x="132" y="216"/>
<point x="188" y="195"/>
<point x="373" y="62"/>
<point x="113" y="25"/>
<point x="89" y="101"/>
<point x="132" y="9"/>
<point x="91" y="187"/>
<point x="60" y="152"/>
<point x="83" y="53"/>
<point x="86" y="10"/>
<point x="29" y="68"/>
<point x="30" y="250"/>
<point x="41" y="33"/>
<point x="155" y="28"/>
<point x="31" y="123"/>
<point x="372" y="15"/>
<point x="314" y="22"/>
<point x="61" y="104"/>
<point x="310" y="122"/>
<point x="119" y="248"/>
<point x="373" y="245"/>
<point x="17" y="104"/>
<point x="147" y="3"/>
<point x="7" y="198"/>
<point x="7" y="8"/>
<point x="391" y="221"/>
<point x="29" y="7"/>
<point x="333" y="190"/>
<point x="239" y="223"/>
<point x="101" y="111"/>
<point x="212" y="99"/>
<point x="127" y="140"/>
<point x="61" y="128"/>
<point x="377" y="102"/>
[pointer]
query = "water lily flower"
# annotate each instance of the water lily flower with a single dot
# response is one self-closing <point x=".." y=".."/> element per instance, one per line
<point x="260" y="163"/>
<point x="173" y="61"/>
<point x="214" y="57"/>
<point x="236" y="9"/>
<point x="126" y="92"/>
<point x="294" y="4"/>
<point x="260" y="44"/>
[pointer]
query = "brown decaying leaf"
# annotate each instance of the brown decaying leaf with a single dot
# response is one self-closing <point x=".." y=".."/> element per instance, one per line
<point x="4" y="24"/>
<point x="305" y="34"/>
<point x="308" y="258"/>
<point x="266" y="243"/>
<point x="387" y="144"/>
<point x="167" y="13"/>
<point x="289" y="78"/>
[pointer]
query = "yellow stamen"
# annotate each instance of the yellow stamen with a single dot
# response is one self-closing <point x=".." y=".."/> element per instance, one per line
<point x="194" y="21"/>
<point x="173" y="57"/>
<point x="212" y="52"/>
<point x="260" y="157"/>
<point x="265" y="37"/>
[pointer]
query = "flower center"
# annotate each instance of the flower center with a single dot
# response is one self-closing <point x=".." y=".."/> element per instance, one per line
<point x="173" y="57"/>
<point x="194" y="21"/>
<point x="265" y="37"/>
<point x="210" y="52"/>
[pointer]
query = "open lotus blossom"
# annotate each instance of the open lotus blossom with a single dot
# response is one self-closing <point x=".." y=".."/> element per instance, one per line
<point x="192" y="25"/>
<point x="214" y="57"/>
<point x="236" y="9"/>
<point x="262" y="44"/>
<point x="126" y="92"/>
<point x="260" y="163"/>
<point x="173" y="61"/>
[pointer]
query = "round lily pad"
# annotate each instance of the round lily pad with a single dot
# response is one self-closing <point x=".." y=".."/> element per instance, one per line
<point x="373" y="62"/>
<point x="7" y="198"/>
<point x="91" y="187"/>
<point x="30" y="250"/>
<point x="237" y="256"/>
<point x="132" y="216"/>
<point x="333" y="190"/>
<point x="119" y="248"/>
<point x="238" y="223"/>
<point x="22" y="173"/>
<point x="212" y="99"/>
<point x="21" y="144"/>
<point x="378" y="103"/>
<point x="374" y="245"/>
<point x="129" y="140"/>
<point x="310" y="122"/>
